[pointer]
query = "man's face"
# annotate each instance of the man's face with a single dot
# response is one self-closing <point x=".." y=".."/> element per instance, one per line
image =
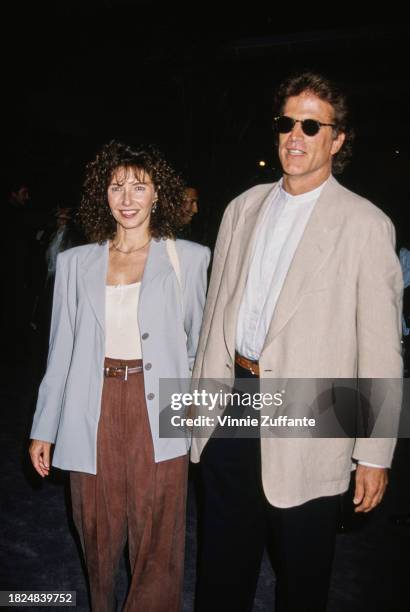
<point x="190" y="205"/>
<point x="22" y="195"/>
<point x="63" y="216"/>
<point x="308" y="157"/>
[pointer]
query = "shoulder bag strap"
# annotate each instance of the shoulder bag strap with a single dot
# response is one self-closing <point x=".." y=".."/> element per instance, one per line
<point x="173" y="256"/>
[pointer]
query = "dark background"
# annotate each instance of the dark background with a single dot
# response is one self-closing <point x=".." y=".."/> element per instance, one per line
<point x="197" y="80"/>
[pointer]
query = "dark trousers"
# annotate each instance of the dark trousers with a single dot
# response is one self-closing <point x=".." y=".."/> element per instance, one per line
<point x="237" y="522"/>
<point x="134" y="499"/>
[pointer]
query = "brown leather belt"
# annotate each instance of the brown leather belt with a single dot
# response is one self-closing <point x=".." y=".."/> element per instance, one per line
<point x="121" y="371"/>
<point x="248" y="364"/>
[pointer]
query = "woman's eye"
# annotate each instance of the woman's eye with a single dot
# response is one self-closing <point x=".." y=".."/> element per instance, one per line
<point x="116" y="188"/>
<point x="140" y="188"/>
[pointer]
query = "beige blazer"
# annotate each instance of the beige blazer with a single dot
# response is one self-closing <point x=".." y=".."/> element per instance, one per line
<point x="338" y="315"/>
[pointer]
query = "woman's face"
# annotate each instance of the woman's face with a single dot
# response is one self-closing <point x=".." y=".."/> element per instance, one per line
<point x="131" y="194"/>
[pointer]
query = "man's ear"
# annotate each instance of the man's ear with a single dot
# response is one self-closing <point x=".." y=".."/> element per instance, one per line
<point x="338" y="142"/>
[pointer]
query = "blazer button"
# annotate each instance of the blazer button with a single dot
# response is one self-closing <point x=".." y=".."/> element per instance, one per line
<point x="145" y="336"/>
<point x="150" y="396"/>
<point x="148" y="366"/>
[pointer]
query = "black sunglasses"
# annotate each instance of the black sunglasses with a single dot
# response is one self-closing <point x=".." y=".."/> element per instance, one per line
<point x="310" y="127"/>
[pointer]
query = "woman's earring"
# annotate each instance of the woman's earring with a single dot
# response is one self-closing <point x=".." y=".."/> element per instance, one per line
<point x="154" y="205"/>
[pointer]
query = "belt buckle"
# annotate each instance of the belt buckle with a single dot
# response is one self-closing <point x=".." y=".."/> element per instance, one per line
<point x="121" y="371"/>
<point x="116" y="371"/>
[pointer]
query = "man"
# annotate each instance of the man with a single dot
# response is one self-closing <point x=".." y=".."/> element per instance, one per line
<point x="305" y="284"/>
<point x="19" y="195"/>
<point x="17" y="302"/>
<point x="58" y="235"/>
<point x="190" y="204"/>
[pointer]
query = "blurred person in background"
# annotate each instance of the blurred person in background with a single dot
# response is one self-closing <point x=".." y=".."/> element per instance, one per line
<point x="16" y="305"/>
<point x="190" y="205"/>
<point x="62" y="233"/>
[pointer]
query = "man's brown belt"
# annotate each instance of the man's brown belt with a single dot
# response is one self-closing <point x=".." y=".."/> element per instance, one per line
<point x="247" y="364"/>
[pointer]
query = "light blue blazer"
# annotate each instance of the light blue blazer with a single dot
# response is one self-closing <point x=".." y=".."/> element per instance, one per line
<point x="69" y="399"/>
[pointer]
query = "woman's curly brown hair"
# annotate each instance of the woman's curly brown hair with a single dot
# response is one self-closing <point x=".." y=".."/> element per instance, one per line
<point x="327" y="91"/>
<point x="94" y="212"/>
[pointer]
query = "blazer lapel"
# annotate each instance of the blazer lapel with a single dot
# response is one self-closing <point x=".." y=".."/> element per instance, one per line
<point x="157" y="261"/>
<point x="316" y="245"/>
<point x="157" y="265"/>
<point x="95" y="267"/>
<point x="238" y="263"/>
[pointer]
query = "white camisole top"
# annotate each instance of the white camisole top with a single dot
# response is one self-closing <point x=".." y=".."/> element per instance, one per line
<point x="122" y="334"/>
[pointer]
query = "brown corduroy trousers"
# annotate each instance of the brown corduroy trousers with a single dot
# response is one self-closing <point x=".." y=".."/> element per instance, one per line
<point x="131" y="497"/>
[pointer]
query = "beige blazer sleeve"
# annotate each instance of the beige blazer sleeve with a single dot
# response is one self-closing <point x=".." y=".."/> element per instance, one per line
<point x="379" y="307"/>
<point x="218" y="266"/>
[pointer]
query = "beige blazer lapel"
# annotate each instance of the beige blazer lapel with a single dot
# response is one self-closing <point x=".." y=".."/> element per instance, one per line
<point x="95" y="274"/>
<point x="316" y="245"/>
<point x="238" y="263"/>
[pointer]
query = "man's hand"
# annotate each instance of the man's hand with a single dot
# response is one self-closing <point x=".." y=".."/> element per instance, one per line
<point x="371" y="483"/>
<point x="40" y="456"/>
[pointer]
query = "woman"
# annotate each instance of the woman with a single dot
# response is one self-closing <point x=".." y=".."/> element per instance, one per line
<point x="127" y="311"/>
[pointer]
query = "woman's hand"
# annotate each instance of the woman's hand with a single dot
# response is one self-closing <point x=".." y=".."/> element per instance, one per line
<point x="40" y="456"/>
